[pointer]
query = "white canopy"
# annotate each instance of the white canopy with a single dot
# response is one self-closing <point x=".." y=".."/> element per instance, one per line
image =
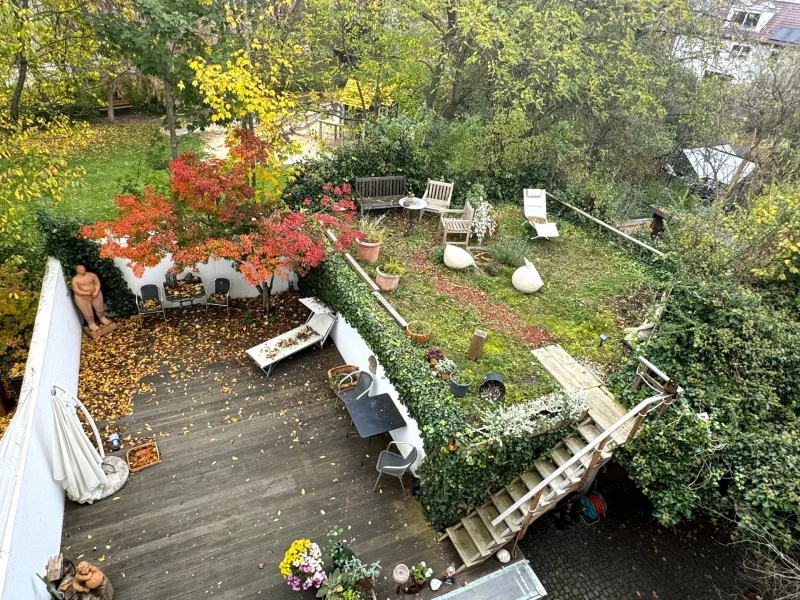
<point x="718" y="163"/>
<point x="76" y="463"/>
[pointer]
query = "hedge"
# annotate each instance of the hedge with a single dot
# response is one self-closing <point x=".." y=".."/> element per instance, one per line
<point x="456" y="474"/>
<point x="61" y="240"/>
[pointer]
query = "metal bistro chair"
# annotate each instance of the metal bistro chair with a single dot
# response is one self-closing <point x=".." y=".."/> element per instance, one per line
<point x="356" y="392"/>
<point x="150" y="292"/>
<point x="220" y="285"/>
<point x="395" y="464"/>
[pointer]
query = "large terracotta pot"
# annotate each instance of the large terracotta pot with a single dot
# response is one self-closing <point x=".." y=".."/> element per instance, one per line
<point x="368" y="251"/>
<point x="419" y="332"/>
<point x="386" y="282"/>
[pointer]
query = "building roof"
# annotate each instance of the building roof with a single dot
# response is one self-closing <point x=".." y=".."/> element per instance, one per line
<point x="783" y="29"/>
<point x="718" y="163"/>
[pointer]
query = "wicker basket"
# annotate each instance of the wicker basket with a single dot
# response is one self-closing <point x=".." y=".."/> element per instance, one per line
<point x="146" y="445"/>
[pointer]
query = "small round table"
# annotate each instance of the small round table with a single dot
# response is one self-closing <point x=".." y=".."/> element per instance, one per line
<point x="412" y="204"/>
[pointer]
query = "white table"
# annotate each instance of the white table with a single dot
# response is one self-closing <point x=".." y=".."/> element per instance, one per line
<point x="412" y="204"/>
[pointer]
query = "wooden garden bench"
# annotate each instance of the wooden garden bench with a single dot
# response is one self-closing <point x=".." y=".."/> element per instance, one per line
<point x="117" y="104"/>
<point x="373" y="193"/>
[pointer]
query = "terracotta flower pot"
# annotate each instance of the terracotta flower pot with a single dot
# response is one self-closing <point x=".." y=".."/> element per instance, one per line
<point x="346" y="369"/>
<point x="368" y="251"/>
<point x="386" y="282"/>
<point x="419" y="332"/>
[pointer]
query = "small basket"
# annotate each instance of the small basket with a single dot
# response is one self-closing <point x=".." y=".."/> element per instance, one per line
<point x="131" y="450"/>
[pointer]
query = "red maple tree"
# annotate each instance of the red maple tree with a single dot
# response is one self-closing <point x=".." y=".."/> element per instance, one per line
<point x="212" y="213"/>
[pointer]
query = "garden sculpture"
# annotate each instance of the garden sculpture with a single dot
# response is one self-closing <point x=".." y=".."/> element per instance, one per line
<point x="88" y="297"/>
<point x="88" y="582"/>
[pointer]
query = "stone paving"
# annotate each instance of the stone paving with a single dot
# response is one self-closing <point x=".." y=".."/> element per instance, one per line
<point x="629" y="555"/>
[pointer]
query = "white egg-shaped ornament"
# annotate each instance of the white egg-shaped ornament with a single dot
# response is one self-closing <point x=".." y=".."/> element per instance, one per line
<point x="526" y="279"/>
<point x="457" y="258"/>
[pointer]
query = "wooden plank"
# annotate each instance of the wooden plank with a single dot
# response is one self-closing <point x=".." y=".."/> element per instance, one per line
<point x="556" y="369"/>
<point x="585" y="378"/>
<point x="605" y="411"/>
<point x="476" y="344"/>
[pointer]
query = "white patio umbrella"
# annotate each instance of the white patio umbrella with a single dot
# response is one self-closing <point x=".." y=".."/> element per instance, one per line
<point x="76" y="463"/>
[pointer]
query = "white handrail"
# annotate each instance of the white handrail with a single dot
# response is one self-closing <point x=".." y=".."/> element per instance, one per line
<point x="583" y="452"/>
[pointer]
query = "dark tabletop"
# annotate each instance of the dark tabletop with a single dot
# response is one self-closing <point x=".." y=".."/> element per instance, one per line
<point x="374" y="415"/>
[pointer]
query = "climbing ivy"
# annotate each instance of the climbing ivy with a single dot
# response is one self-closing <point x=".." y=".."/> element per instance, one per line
<point x="61" y="241"/>
<point x="458" y="472"/>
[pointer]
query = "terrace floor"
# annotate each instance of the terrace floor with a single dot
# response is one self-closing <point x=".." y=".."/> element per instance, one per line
<point x="248" y="464"/>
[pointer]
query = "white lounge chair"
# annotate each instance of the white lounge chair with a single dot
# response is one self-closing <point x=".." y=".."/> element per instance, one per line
<point x="315" y="331"/>
<point x="534" y="206"/>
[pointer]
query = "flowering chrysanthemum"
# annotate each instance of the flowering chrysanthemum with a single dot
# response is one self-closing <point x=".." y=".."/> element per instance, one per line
<point x="302" y="565"/>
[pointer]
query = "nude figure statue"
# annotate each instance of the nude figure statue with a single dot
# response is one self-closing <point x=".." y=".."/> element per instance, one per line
<point x="87" y="295"/>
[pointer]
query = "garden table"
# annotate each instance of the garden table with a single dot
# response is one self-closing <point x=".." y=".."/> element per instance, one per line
<point x="185" y="296"/>
<point x="374" y="415"/>
<point x="411" y="204"/>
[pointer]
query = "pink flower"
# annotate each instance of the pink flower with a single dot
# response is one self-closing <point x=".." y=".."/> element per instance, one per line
<point x="307" y="201"/>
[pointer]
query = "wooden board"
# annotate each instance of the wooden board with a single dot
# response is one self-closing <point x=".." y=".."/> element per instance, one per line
<point x="201" y="521"/>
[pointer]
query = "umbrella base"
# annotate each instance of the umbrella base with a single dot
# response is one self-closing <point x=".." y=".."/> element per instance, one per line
<point x="117" y="472"/>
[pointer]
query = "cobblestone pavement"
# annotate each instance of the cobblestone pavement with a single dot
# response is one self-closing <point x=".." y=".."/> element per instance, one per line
<point x="629" y="555"/>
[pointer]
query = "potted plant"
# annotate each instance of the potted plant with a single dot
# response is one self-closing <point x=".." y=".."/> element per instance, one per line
<point x="446" y="368"/>
<point x="419" y="575"/>
<point x="337" y="374"/>
<point x="492" y="389"/>
<point x="419" y="331"/>
<point x="433" y="355"/>
<point x="388" y="275"/>
<point x="366" y="575"/>
<point x="460" y="382"/>
<point x="302" y="566"/>
<point x="368" y="241"/>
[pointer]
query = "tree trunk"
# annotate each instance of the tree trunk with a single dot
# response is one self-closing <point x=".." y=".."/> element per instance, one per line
<point x="171" y="120"/>
<point x="16" y="96"/>
<point x="110" y="98"/>
<point x="266" y="296"/>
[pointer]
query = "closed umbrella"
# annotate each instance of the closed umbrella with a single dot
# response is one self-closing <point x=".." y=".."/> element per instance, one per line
<point x="76" y="462"/>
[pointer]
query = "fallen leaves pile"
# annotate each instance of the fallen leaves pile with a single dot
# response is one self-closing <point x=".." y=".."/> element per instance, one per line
<point x="113" y="366"/>
<point x="143" y="456"/>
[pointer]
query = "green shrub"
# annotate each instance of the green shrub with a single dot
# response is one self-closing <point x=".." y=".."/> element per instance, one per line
<point x="61" y="241"/>
<point x="510" y="250"/>
<point x="456" y="474"/>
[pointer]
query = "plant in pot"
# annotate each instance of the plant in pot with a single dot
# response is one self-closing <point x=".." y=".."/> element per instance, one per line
<point x="433" y="355"/>
<point x="388" y="275"/>
<point x="445" y="368"/>
<point x="419" y="331"/>
<point x="419" y="575"/>
<point x="369" y="239"/>
<point x="365" y="574"/>
<point x="460" y="382"/>
<point x="342" y="373"/>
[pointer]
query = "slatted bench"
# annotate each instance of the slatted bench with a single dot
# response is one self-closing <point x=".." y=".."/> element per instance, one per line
<point x="374" y="193"/>
<point x="117" y="104"/>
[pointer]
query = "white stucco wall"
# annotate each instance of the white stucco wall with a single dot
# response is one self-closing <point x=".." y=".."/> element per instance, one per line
<point x="355" y="351"/>
<point x="32" y="509"/>
<point x="211" y="270"/>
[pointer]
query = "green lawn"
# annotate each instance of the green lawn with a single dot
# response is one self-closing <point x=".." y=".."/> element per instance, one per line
<point x="591" y="287"/>
<point x="121" y="158"/>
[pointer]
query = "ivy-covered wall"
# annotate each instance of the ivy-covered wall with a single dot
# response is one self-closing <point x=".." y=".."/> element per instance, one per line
<point x="61" y="241"/>
<point x="456" y="474"/>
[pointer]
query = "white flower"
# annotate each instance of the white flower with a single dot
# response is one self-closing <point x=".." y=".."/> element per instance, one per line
<point x="422" y="563"/>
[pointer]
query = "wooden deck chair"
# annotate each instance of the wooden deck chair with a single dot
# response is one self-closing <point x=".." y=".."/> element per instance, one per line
<point x="534" y="207"/>
<point x="437" y="195"/>
<point x="460" y="225"/>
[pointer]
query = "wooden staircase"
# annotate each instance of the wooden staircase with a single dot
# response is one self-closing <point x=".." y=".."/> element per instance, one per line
<point x="570" y="466"/>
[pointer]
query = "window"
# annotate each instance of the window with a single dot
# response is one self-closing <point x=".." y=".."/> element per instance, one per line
<point x="739" y="51"/>
<point x="745" y="19"/>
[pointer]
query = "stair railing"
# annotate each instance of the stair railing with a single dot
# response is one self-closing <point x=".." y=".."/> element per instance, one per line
<point x="656" y="380"/>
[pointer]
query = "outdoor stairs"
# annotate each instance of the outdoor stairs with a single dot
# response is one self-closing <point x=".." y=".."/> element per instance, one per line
<point x="474" y="536"/>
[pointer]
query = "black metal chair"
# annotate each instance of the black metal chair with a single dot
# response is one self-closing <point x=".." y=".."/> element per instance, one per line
<point x="395" y="464"/>
<point x="356" y="392"/>
<point x="222" y="286"/>
<point x="150" y="292"/>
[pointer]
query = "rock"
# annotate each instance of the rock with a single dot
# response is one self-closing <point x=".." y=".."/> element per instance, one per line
<point x="457" y="258"/>
<point x="526" y="279"/>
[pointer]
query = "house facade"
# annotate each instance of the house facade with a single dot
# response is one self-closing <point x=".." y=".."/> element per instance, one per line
<point x="753" y="36"/>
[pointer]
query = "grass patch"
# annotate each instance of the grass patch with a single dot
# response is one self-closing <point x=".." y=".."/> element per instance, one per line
<point x="121" y="158"/>
<point x="591" y="287"/>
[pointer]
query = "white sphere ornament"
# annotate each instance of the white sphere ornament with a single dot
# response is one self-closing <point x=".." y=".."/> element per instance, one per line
<point x="526" y="279"/>
<point x="457" y="258"/>
<point x="435" y="584"/>
<point x="503" y="555"/>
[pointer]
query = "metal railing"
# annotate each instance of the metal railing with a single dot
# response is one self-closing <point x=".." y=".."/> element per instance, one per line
<point x="607" y="227"/>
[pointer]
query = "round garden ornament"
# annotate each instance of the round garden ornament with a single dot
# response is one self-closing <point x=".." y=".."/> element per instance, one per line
<point x="503" y="555"/>
<point x="457" y="258"/>
<point x="526" y="279"/>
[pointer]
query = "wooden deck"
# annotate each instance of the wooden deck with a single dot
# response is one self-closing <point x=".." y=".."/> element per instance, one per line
<point x="577" y="379"/>
<point x="249" y="464"/>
